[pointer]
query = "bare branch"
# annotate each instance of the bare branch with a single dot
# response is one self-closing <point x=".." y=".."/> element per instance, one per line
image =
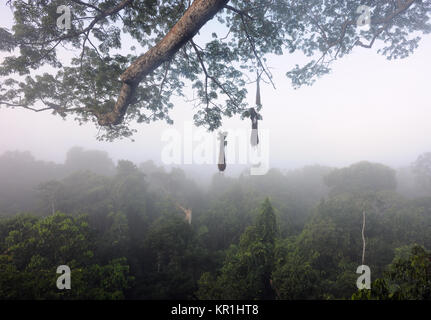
<point x="323" y="32"/>
<point x="253" y="46"/>
<point x="168" y="65"/>
<point x="83" y="50"/>
<point x="208" y="76"/>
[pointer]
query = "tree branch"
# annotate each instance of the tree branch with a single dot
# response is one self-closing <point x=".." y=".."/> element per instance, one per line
<point x="238" y="11"/>
<point x="101" y="16"/>
<point x="165" y="76"/>
<point x="199" y="13"/>
<point x="253" y="47"/>
<point x="208" y="76"/>
<point x="50" y="106"/>
<point x="401" y="7"/>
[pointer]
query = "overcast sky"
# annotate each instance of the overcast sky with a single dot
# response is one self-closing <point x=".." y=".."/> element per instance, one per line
<point x="368" y="108"/>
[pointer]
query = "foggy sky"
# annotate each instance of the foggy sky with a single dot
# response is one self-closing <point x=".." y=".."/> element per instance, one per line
<point x="368" y="108"/>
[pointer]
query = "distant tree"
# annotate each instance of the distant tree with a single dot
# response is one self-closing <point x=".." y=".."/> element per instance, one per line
<point x="149" y="167"/>
<point x="408" y="277"/>
<point x="20" y="174"/>
<point x="409" y="185"/>
<point x="50" y="192"/>
<point x="246" y="272"/>
<point x="361" y="177"/>
<point x="422" y="171"/>
<point x="294" y="277"/>
<point x="410" y="274"/>
<point x="126" y="168"/>
<point x="173" y="260"/>
<point x="331" y="241"/>
<point x="115" y="239"/>
<point x="129" y="188"/>
<point x="87" y="192"/>
<point x="379" y="291"/>
<point x="326" y="248"/>
<point x="99" y="162"/>
<point x="35" y="250"/>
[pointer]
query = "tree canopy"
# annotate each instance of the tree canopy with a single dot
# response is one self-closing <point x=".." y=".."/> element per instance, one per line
<point x="362" y="177"/>
<point x="113" y="87"/>
<point x="422" y="170"/>
<point x="124" y="236"/>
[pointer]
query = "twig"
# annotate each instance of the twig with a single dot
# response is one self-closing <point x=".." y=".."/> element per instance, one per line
<point x="253" y="47"/>
<point x="208" y="76"/>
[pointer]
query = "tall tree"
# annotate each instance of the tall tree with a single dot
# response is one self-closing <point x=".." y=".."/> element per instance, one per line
<point x="361" y="177"/>
<point x="36" y="247"/>
<point x="246" y="273"/>
<point x="408" y="277"/>
<point x="99" y="162"/>
<point x="422" y="170"/>
<point x="111" y="89"/>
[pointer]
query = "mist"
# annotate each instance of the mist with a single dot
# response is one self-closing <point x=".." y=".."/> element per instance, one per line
<point x="337" y="188"/>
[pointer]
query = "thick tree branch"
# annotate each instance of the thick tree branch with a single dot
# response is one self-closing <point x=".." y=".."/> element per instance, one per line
<point x="199" y="13"/>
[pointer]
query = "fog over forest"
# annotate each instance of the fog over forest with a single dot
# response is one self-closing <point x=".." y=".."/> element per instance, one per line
<point x="215" y="149"/>
<point x="169" y="237"/>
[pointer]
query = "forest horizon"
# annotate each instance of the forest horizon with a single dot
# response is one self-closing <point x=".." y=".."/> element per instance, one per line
<point x="208" y="150"/>
<point x="141" y="230"/>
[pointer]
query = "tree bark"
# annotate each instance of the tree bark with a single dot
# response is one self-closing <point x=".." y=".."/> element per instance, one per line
<point x="195" y="17"/>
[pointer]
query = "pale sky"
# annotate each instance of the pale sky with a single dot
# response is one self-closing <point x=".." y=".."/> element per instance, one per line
<point x="368" y="108"/>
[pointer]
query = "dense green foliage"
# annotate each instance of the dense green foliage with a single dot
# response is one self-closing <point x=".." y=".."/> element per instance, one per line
<point x="108" y="36"/>
<point x="246" y="272"/>
<point x="407" y="278"/>
<point x="285" y="235"/>
<point x="33" y="248"/>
